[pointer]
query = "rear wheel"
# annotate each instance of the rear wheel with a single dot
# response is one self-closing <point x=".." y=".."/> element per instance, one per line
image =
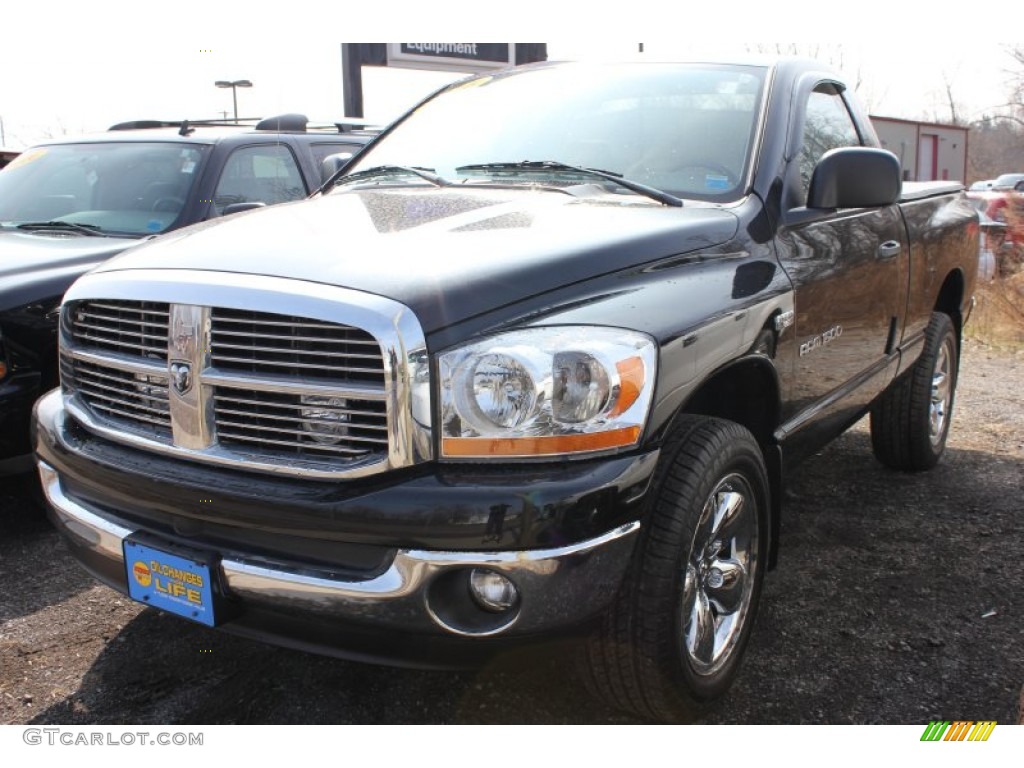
<point x="910" y="422"/>
<point x="673" y="641"/>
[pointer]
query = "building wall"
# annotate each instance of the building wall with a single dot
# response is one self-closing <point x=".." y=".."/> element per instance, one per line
<point x="927" y="151"/>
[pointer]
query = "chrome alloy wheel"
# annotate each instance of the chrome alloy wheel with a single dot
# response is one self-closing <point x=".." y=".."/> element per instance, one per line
<point x="720" y="575"/>
<point x="942" y="391"/>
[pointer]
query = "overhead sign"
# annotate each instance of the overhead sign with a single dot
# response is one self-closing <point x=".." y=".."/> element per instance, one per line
<point x="456" y="57"/>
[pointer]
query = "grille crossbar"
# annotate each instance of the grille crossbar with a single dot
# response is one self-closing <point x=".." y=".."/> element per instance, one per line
<point x="257" y="342"/>
<point x="136" y="328"/>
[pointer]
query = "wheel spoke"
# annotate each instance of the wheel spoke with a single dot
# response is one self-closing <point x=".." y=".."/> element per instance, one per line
<point x="704" y="533"/>
<point x="937" y="418"/>
<point x="938" y="411"/>
<point x="690" y="590"/>
<point x="725" y="585"/>
<point x="700" y="634"/>
<point x="728" y="515"/>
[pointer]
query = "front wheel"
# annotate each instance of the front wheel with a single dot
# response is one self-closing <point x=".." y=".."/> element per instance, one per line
<point x="910" y="421"/>
<point x="673" y="641"/>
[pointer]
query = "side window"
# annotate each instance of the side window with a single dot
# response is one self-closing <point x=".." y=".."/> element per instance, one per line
<point x="266" y="174"/>
<point x="828" y="126"/>
<point x="322" y="150"/>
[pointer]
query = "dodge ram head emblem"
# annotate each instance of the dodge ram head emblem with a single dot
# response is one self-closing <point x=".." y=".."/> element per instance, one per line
<point x="181" y="376"/>
<point x="183" y="337"/>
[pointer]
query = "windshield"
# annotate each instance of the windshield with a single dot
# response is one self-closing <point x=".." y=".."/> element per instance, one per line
<point x="684" y="129"/>
<point x="129" y="188"/>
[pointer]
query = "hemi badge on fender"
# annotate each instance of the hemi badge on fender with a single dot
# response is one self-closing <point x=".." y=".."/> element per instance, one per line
<point x="783" y="321"/>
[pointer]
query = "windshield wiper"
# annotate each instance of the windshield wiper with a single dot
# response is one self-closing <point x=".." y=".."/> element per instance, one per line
<point x="85" y="229"/>
<point x="391" y="170"/>
<point x="552" y="165"/>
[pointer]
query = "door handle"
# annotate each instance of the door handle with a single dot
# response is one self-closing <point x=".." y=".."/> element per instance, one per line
<point x="889" y="249"/>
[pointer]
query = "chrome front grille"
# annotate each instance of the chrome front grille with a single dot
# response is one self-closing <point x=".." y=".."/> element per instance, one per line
<point x="276" y="392"/>
<point x="132" y="400"/>
<point x="262" y="343"/>
<point x="134" y="328"/>
<point x="323" y="425"/>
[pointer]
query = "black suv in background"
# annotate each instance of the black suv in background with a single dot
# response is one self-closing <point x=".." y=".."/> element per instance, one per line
<point x="69" y="204"/>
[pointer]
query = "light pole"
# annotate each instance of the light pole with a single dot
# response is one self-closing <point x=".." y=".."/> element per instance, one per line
<point x="234" y="85"/>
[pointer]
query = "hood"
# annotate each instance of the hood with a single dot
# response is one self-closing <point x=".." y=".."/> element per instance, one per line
<point x="446" y="254"/>
<point x="36" y="266"/>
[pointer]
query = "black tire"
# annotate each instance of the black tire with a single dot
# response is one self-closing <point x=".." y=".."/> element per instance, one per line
<point x="910" y="421"/>
<point x="33" y="491"/>
<point x="28" y="488"/>
<point x="648" y="657"/>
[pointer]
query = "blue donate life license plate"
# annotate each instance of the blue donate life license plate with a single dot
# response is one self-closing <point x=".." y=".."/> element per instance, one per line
<point x="169" y="582"/>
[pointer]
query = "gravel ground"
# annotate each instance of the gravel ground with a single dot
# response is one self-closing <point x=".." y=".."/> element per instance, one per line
<point x="898" y="599"/>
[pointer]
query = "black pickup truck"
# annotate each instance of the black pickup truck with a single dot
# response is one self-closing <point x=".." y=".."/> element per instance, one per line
<point x="534" y="368"/>
<point x="71" y="203"/>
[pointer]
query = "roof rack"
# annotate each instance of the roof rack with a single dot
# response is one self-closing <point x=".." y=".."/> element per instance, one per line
<point x="297" y="122"/>
<point x="133" y="125"/>
<point x="291" y="121"/>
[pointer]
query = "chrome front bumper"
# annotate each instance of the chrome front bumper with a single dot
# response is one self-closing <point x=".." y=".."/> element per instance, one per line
<point x="420" y="591"/>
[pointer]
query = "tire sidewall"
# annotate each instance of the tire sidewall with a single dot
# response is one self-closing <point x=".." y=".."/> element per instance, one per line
<point x="742" y="457"/>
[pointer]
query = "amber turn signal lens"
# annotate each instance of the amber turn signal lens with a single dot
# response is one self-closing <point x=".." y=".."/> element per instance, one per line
<point x="550" y="445"/>
<point x="631" y="381"/>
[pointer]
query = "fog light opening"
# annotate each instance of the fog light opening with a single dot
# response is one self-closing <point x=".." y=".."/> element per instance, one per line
<point x="473" y="602"/>
<point x="492" y="591"/>
<point x="325" y="419"/>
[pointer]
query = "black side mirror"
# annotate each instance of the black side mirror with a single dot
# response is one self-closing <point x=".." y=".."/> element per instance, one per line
<point x="855" y="177"/>
<point x="332" y="164"/>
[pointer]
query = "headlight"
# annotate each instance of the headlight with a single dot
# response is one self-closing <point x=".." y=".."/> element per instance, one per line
<point x="546" y="392"/>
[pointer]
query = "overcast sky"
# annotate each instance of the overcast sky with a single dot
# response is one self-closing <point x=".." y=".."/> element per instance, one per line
<point x="146" y="60"/>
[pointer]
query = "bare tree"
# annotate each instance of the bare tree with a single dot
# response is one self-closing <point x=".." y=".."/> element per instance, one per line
<point x="835" y="55"/>
<point x="955" y="113"/>
<point x="997" y="140"/>
<point x="57" y="130"/>
<point x="996" y="146"/>
<point x="1013" y="110"/>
